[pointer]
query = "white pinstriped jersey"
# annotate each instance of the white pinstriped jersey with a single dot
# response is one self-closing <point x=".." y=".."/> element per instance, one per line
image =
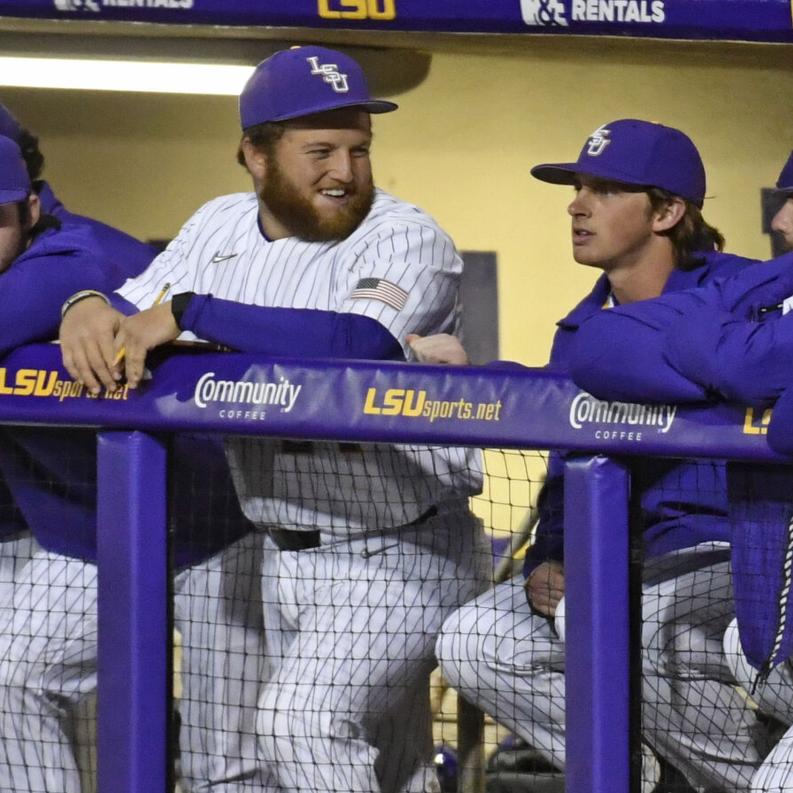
<point x="221" y="251"/>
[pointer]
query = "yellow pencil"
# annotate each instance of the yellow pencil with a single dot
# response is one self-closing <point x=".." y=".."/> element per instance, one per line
<point x="157" y="300"/>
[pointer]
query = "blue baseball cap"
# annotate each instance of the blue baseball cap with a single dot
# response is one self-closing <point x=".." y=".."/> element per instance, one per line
<point x="9" y="126"/>
<point x="302" y="81"/>
<point x="14" y="180"/>
<point x="785" y="182"/>
<point x="636" y="152"/>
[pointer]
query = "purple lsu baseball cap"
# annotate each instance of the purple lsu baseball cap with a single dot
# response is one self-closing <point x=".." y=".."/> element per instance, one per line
<point x="302" y="81"/>
<point x="14" y="179"/>
<point x="785" y="182"/>
<point x="638" y="153"/>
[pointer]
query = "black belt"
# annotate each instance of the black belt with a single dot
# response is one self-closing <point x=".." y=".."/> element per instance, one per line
<point x="291" y="540"/>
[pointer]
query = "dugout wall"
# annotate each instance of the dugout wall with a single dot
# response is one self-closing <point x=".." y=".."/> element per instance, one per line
<point x="457" y="148"/>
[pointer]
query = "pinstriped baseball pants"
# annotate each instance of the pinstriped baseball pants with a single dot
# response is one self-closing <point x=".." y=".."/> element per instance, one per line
<point x="510" y="662"/>
<point x="354" y="624"/>
<point x="15" y="552"/>
<point x="48" y="636"/>
<point x="775" y="696"/>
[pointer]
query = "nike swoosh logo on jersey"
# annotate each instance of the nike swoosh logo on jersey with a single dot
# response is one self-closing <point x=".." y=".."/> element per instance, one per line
<point x="219" y="257"/>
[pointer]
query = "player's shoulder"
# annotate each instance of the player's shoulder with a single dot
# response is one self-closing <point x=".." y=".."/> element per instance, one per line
<point x="224" y="212"/>
<point x="720" y="264"/>
<point x="62" y="240"/>
<point x="231" y="202"/>
<point x="389" y="208"/>
<point x="403" y="223"/>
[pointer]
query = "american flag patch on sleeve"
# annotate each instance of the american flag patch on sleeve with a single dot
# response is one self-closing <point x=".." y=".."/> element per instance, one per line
<point x="382" y="290"/>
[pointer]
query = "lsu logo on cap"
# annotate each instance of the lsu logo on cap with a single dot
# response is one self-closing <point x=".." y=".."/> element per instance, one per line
<point x="330" y="74"/>
<point x="598" y="141"/>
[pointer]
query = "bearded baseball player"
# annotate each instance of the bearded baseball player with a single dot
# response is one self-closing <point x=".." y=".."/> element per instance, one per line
<point x="370" y="547"/>
<point x="636" y="215"/>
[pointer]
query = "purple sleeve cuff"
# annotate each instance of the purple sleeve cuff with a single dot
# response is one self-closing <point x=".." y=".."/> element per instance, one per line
<point x="122" y="304"/>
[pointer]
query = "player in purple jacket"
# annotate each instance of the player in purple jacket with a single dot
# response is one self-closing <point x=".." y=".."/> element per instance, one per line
<point x="107" y="239"/>
<point x="731" y="340"/>
<point x="48" y="262"/>
<point x="636" y="215"/>
<point x="47" y="608"/>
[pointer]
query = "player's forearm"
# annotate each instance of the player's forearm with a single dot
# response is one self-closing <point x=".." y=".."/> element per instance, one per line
<point x="619" y="356"/>
<point x="32" y="294"/>
<point x="752" y="362"/>
<point x="289" y="332"/>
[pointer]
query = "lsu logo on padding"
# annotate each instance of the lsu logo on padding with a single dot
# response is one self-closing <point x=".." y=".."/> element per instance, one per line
<point x="380" y="10"/>
<point x="412" y="403"/>
<point x="753" y="425"/>
<point x="395" y="402"/>
<point x="47" y="383"/>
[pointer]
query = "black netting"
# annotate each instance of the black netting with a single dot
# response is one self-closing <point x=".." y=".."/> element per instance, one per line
<point x="308" y="614"/>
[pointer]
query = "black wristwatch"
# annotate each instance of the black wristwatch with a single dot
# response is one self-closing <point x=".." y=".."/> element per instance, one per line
<point x="179" y="304"/>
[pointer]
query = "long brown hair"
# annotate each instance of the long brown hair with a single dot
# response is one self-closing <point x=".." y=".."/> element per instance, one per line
<point x="691" y="235"/>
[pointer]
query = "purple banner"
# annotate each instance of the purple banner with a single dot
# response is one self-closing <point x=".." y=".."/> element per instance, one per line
<point x="752" y="20"/>
<point x="477" y="406"/>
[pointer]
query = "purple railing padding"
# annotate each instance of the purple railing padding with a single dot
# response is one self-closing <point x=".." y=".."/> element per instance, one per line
<point x="134" y="641"/>
<point x="596" y="624"/>
<point x="345" y="400"/>
<point x="359" y="400"/>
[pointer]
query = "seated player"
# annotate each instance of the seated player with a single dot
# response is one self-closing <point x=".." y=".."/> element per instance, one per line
<point x="18" y="544"/>
<point x="774" y="692"/>
<point x="107" y="239"/>
<point x="740" y="332"/>
<point x="48" y="617"/>
<point x="369" y="547"/>
<point x="639" y="189"/>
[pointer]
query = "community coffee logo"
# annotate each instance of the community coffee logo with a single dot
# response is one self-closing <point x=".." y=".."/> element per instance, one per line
<point x="619" y="420"/>
<point x="249" y="400"/>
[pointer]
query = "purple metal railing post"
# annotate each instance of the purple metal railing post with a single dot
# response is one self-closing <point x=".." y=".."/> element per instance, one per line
<point x="133" y="685"/>
<point x="597" y="676"/>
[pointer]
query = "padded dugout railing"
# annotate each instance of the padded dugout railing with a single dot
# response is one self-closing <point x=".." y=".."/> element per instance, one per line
<point x="526" y="409"/>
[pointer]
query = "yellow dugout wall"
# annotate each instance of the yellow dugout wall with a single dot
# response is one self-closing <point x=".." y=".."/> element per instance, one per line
<point x="461" y="146"/>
